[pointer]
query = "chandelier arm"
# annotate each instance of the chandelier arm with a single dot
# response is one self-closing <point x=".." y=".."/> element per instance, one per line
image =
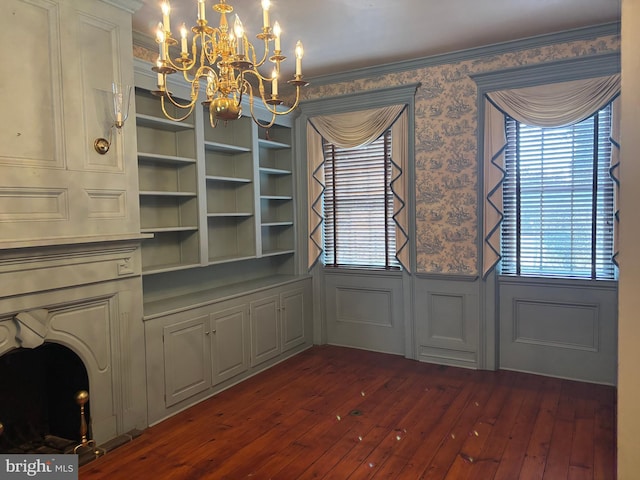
<point x="242" y="86"/>
<point x="273" y="110"/>
<point x="190" y="106"/>
<point x="265" y="54"/>
<point x="258" y="75"/>
<point x="253" y="116"/>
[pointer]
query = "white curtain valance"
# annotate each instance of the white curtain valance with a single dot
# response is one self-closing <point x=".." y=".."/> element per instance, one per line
<point x="557" y="104"/>
<point x="352" y="130"/>
<point x="355" y="129"/>
<point x="552" y="105"/>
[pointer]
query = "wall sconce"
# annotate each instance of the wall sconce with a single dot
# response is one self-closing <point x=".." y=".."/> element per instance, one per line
<point x="121" y="97"/>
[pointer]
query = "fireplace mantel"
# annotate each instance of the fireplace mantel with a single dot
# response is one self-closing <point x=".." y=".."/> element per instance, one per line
<point x="70" y="241"/>
<point x="84" y="293"/>
<point x="27" y="267"/>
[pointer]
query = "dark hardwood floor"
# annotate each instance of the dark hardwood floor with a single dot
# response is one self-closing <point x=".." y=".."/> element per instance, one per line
<point x="339" y="413"/>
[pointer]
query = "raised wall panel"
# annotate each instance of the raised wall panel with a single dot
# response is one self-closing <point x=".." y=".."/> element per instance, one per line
<point x="360" y="305"/>
<point x="98" y="69"/>
<point x="21" y="204"/>
<point x="446" y="321"/>
<point x="447" y="318"/>
<point x="365" y="311"/>
<point x="30" y="128"/>
<point x="106" y="203"/>
<point x="567" y="331"/>
<point x="556" y="324"/>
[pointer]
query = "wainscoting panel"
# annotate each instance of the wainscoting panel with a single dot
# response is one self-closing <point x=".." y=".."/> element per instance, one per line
<point x="446" y="320"/>
<point x="556" y="324"/>
<point x="565" y="330"/>
<point x="365" y="311"/>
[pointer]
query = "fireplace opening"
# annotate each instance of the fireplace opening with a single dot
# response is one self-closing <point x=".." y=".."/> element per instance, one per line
<point x="38" y="407"/>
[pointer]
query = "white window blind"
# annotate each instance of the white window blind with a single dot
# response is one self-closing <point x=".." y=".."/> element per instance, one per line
<point x="558" y="200"/>
<point x="358" y="205"/>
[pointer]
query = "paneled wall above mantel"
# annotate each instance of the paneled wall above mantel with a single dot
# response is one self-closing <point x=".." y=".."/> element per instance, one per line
<point x="55" y="185"/>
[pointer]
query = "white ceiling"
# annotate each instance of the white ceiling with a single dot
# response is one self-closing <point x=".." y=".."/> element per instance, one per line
<point x="342" y="35"/>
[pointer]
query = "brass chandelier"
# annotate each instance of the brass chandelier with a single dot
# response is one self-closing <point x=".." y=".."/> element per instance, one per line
<point x="222" y="60"/>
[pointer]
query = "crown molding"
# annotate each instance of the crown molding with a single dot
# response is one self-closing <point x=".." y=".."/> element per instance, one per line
<point x="585" y="33"/>
<point x="551" y="72"/>
<point x="144" y="41"/>
<point x="360" y="100"/>
<point x="130" y="6"/>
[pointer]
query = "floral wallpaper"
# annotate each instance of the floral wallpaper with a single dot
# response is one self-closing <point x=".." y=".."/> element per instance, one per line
<point x="445" y="150"/>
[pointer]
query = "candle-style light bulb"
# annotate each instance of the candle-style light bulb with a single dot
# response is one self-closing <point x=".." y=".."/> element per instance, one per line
<point x="183" y="35"/>
<point x="160" y="39"/>
<point x="274" y="82"/>
<point x="265" y="12"/>
<point x="166" y="10"/>
<point x="277" y="31"/>
<point x="160" y="76"/>
<point x="201" y="10"/>
<point x="299" y="54"/>
<point x="239" y="31"/>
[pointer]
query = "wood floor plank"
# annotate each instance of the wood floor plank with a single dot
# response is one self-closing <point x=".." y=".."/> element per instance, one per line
<point x="475" y="443"/>
<point x="438" y="397"/>
<point x="538" y="448"/>
<point x="399" y="432"/>
<point x="429" y="441"/>
<point x="487" y="463"/>
<point x="562" y="437"/>
<point x="382" y="414"/>
<point x="452" y="443"/>
<point x="604" y="452"/>
<point x="345" y="414"/>
<point x="520" y="435"/>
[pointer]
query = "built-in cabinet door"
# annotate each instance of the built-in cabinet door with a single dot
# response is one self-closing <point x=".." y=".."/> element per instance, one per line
<point x="265" y="329"/>
<point x="229" y="345"/>
<point x="292" y="310"/>
<point x="187" y="359"/>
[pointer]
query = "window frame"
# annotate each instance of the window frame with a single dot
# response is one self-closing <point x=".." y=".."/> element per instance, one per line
<point x="578" y="68"/>
<point x="601" y="244"/>
<point x="330" y="227"/>
<point x="353" y="102"/>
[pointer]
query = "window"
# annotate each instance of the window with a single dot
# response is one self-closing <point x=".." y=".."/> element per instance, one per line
<point x="558" y="200"/>
<point x="358" y="205"/>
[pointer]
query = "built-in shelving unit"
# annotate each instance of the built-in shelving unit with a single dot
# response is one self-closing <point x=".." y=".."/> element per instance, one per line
<point x="276" y="191"/>
<point x="168" y="188"/>
<point x="212" y="196"/>
<point x="230" y="192"/>
<point x="223" y="296"/>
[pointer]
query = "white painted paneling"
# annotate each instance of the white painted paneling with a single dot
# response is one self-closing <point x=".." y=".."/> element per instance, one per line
<point x="365" y="311"/>
<point x="567" y="330"/>
<point x="556" y="324"/>
<point x="446" y="321"/>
